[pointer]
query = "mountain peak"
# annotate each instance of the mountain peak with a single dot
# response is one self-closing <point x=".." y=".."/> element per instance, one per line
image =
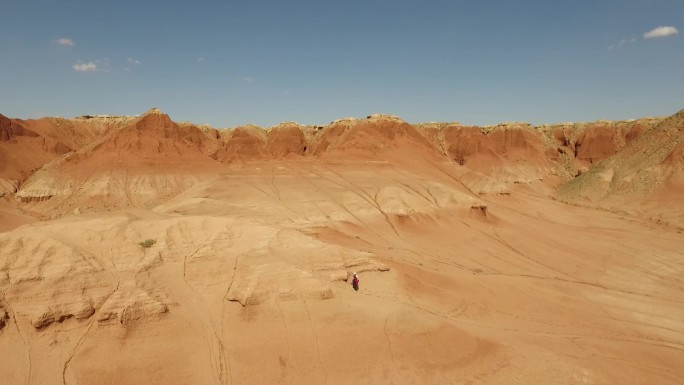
<point x="154" y="111"/>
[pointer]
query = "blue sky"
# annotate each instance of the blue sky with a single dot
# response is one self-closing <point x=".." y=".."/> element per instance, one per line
<point x="234" y="62"/>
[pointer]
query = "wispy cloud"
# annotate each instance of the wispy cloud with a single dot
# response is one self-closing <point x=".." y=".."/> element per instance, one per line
<point x="200" y="59"/>
<point x="91" y="66"/>
<point x="133" y="61"/>
<point x="65" y="41"/>
<point x="662" y="31"/>
<point x="85" y="67"/>
<point x="622" y="43"/>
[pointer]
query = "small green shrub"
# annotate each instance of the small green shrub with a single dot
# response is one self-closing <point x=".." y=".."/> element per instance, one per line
<point x="147" y="243"/>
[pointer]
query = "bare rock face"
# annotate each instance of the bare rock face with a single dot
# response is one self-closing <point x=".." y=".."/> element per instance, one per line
<point x="595" y="141"/>
<point x="35" y="194"/>
<point x="4" y="317"/>
<point x="248" y="277"/>
<point x="128" y="306"/>
<point x="59" y="313"/>
<point x="244" y="143"/>
<point x="137" y="164"/>
<point x="645" y="166"/>
<point x="5" y="129"/>
<point x="154" y="131"/>
<point x="285" y="139"/>
<point x="377" y="137"/>
<point x="509" y="152"/>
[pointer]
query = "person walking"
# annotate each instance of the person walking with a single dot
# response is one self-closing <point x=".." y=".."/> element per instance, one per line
<point x="355" y="282"/>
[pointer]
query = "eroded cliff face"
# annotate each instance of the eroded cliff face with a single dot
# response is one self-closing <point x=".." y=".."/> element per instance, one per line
<point x="133" y="161"/>
<point x="520" y="152"/>
<point x="170" y="253"/>
<point x="5" y="129"/>
<point x="135" y="165"/>
<point x="643" y="176"/>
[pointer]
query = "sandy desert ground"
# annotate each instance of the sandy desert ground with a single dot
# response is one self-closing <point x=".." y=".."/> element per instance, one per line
<point x="509" y="254"/>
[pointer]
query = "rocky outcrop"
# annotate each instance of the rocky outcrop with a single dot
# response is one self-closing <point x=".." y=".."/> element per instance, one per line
<point x="61" y="313"/>
<point x="8" y="187"/>
<point x="286" y="138"/>
<point x="126" y="307"/>
<point x="594" y="141"/>
<point x="10" y="129"/>
<point x="156" y="132"/>
<point x="492" y="156"/>
<point x="644" y="165"/>
<point x="4" y="317"/>
<point x="376" y="137"/>
<point x="5" y="129"/>
<point x="35" y="194"/>
<point x="510" y="152"/>
<point x="243" y="143"/>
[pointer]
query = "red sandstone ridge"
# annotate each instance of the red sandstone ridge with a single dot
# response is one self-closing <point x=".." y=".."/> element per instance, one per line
<point x="155" y="135"/>
<point x="5" y="129"/>
<point x="141" y="163"/>
<point x="376" y="137"/>
<point x="595" y="141"/>
<point x="511" y="152"/>
<point x="173" y="253"/>
<point x="29" y="144"/>
<point x="243" y="143"/>
<point x="286" y="139"/>
<point x="520" y="152"/>
<point x="23" y="149"/>
<point x="645" y="176"/>
<point x="486" y="159"/>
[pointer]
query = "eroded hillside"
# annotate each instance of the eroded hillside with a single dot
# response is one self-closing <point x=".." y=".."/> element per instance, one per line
<point x="146" y="251"/>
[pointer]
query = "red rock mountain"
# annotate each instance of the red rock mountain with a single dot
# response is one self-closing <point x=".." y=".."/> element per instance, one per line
<point x="645" y="175"/>
<point x="135" y="165"/>
<point x="143" y="251"/>
<point x="75" y="160"/>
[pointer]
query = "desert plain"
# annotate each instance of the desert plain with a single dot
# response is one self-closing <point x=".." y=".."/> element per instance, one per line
<point x="139" y="250"/>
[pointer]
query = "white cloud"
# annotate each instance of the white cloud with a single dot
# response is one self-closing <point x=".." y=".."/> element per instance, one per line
<point x="247" y="80"/>
<point x="85" y="67"/>
<point x="622" y="43"/>
<point x="133" y="61"/>
<point x="65" y="41"/>
<point x="661" y="32"/>
<point x="99" y="65"/>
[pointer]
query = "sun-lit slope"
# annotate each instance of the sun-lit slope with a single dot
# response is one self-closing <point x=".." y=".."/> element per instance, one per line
<point x="496" y="157"/>
<point x="75" y="133"/>
<point x="591" y="142"/>
<point x="248" y="283"/>
<point x="26" y="145"/>
<point x="508" y="152"/>
<point x="645" y="177"/>
<point x="138" y="165"/>
<point x="378" y="137"/>
<point x="470" y="273"/>
<point x="126" y="162"/>
<point x="22" y="151"/>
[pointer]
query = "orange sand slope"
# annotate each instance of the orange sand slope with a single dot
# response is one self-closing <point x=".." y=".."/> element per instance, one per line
<point x="471" y="271"/>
